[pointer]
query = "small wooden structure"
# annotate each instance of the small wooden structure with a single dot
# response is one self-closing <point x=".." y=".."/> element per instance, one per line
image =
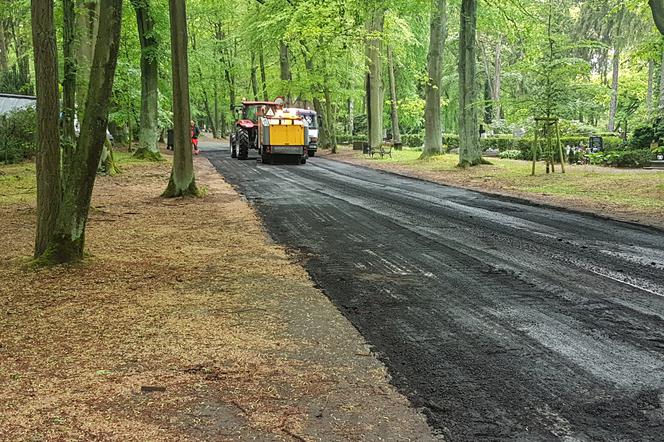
<point x="550" y="127"/>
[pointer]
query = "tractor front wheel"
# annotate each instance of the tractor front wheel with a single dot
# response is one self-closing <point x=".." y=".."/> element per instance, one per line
<point x="243" y="144"/>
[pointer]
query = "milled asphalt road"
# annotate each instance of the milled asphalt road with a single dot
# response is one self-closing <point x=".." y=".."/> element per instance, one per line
<point x="502" y="320"/>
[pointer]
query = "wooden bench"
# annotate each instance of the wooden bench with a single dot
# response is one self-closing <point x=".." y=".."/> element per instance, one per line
<point x="382" y="150"/>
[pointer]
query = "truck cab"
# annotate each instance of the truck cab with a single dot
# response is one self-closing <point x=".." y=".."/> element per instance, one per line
<point x="311" y="119"/>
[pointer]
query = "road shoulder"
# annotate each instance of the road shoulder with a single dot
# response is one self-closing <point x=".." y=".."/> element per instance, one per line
<point x="185" y="323"/>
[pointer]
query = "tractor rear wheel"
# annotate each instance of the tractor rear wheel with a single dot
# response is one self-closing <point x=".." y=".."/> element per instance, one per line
<point x="243" y="144"/>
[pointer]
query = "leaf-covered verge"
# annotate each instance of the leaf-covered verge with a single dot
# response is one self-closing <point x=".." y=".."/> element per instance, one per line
<point x="630" y="195"/>
<point x="226" y="324"/>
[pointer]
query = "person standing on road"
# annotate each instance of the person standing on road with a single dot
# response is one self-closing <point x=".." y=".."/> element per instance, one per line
<point x="195" y="132"/>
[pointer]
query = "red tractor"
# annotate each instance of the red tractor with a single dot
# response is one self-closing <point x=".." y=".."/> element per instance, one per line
<point x="245" y="135"/>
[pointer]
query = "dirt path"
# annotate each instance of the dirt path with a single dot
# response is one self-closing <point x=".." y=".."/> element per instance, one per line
<point x="189" y="297"/>
<point x="503" y="320"/>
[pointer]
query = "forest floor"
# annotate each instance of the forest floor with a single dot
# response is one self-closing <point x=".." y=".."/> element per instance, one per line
<point x="634" y="195"/>
<point x="184" y="323"/>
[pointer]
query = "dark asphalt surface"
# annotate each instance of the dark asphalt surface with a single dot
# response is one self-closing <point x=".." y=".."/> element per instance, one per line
<point x="502" y="320"/>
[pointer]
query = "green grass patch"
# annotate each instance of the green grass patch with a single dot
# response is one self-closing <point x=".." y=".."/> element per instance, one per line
<point x="18" y="183"/>
<point x="629" y="188"/>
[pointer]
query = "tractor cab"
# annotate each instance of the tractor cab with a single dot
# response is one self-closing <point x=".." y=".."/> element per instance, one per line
<point x="253" y="110"/>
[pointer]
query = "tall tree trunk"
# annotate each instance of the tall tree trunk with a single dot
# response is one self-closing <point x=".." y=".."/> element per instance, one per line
<point x="351" y="116"/>
<point x="216" y="133"/>
<point x="329" y="117"/>
<point x="48" y="140"/>
<point x="470" y="153"/>
<point x="649" y="94"/>
<point x="254" y="76"/>
<point x="261" y="62"/>
<point x="87" y="28"/>
<point x="149" y="123"/>
<point x="284" y="70"/>
<point x="182" y="181"/>
<point x="661" y="85"/>
<point x="4" y="64"/>
<point x="497" y="80"/>
<point x="657" y="8"/>
<point x="68" y="239"/>
<point x="433" y="137"/>
<point x="614" y="91"/>
<point x="324" y="138"/>
<point x="206" y="104"/>
<point x="69" y="80"/>
<point x="375" y="78"/>
<point x="396" y="131"/>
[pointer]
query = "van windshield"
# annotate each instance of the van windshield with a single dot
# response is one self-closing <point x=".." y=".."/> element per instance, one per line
<point x="311" y="121"/>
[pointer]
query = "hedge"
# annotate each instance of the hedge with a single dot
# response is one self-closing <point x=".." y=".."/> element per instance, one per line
<point x="623" y="158"/>
<point x="18" y="135"/>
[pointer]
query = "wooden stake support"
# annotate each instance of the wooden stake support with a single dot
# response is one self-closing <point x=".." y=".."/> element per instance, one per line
<point x="549" y="124"/>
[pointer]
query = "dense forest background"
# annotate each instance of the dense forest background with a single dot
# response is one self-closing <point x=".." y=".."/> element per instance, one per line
<point x="597" y="64"/>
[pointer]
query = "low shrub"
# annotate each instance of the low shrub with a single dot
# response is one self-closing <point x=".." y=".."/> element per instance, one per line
<point x="412" y="140"/>
<point x="511" y="154"/>
<point x="622" y="158"/>
<point x="18" y="135"/>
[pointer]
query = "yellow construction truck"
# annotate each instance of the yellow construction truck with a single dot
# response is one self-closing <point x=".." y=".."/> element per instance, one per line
<point x="266" y="127"/>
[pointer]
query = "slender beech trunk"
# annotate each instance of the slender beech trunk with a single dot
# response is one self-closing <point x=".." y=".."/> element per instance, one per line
<point x="48" y="140"/>
<point x="216" y="128"/>
<point x="396" y="131"/>
<point x="329" y="116"/>
<point x="284" y="70"/>
<point x="661" y="85"/>
<point x="69" y="69"/>
<point x="470" y="153"/>
<point x="149" y="119"/>
<point x="86" y="36"/>
<point x="254" y="76"/>
<point x="375" y="77"/>
<point x="261" y="62"/>
<point x="649" y="95"/>
<point x="68" y="238"/>
<point x="433" y="138"/>
<point x="614" y="91"/>
<point x="4" y="64"/>
<point x="324" y="139"/>
<point x="182" y="181"/>
<point x="206" y="104"/>
<point x="497" y="80"/>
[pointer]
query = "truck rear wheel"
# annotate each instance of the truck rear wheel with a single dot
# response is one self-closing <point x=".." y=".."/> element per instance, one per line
<point x="243" y="144"/>
<point x="266" y="158"/>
